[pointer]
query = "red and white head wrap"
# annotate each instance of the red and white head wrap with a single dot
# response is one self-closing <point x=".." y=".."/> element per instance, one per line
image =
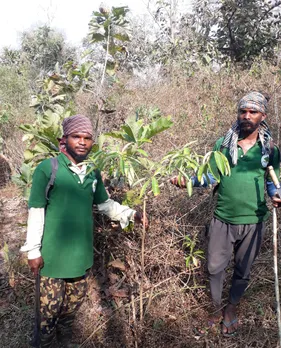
<point x="77" y="124"/>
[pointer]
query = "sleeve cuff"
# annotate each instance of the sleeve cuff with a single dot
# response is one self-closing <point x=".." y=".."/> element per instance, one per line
<point x="33" y="254"/>
<point x="125" y="220"/>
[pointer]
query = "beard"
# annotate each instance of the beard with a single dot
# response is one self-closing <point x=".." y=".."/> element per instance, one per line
<point x="74" y="155"/>
<point x="247" y="127"/>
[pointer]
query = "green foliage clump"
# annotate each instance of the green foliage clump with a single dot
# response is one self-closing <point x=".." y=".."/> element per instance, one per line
<point x="193" y="255"/>
<point x="44" y="47"/>
<point x="239" y="29"/>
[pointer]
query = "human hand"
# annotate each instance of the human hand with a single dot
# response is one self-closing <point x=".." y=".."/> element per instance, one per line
<point x="142" y="219"/>
<point x="276" y="201"/>
<point x="36" y="264"/>
<point x="175" y="181"/>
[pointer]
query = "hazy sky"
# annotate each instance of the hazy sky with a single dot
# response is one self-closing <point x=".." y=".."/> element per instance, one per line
<point x="72" y="18"/>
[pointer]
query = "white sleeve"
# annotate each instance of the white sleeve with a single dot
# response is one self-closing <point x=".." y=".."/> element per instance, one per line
<point x="35" y="226"/>
<point x="117" y="212"/>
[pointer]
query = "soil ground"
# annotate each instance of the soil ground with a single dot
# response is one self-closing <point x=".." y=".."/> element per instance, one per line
<point x="175" y="297"/>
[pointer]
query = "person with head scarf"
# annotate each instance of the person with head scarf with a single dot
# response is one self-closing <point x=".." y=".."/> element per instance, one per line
<point x="239" y="218"/>
<point x="60" y="229"/>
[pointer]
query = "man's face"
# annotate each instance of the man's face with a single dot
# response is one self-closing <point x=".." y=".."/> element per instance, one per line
<point x="78" y="145"/>
<point x="249" y="119"/>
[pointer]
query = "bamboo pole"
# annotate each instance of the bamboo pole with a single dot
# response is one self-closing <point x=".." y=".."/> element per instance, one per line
<point x="277" y="294"/>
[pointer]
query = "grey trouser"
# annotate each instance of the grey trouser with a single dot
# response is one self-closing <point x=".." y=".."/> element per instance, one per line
<point x="245" y="241"/>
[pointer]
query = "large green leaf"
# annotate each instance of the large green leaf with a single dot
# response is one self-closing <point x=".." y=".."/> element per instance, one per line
<point x="219" y="162"/>
<point x="213" y="167"/>
<point x="202" y="170"/>
<point x="144" y="188"/>
<point x="96" y="37"/>
<point x="28" y="155"/>
<point x="26" y="172"/>
<point x="129" y="172"/>
<point x="156" y="127"/>
<point x="122" y="37"/>
<point x="135" y="127"/>
<point x="189" y="187"/>
<point x="155" y="186"/>
<point x="117" y="135"/>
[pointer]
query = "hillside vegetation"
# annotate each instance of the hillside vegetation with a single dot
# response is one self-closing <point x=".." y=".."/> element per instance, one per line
<point x="159" y="92"/>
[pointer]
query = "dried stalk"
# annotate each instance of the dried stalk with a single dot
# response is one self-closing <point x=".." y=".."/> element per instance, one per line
<point x="125" y="306"/>
<point x="149" y="300"/>
<point x="277" y="117"/>
<point x="142" y="262"/>
<point x="277" y="295"/>
<point x="134" y="319"/>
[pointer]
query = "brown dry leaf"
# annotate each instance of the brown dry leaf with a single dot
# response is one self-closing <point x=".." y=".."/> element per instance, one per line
<point x="117" y="264"/>
<point x="113" y="278"/>
<point x="12" y="279"/>
<point x="118" y="293"/>
<point x="171" y="317"/>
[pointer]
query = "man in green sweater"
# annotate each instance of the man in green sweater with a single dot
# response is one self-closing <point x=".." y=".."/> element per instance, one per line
<point x="60" y="229"/>
<point x="239" y="219"/>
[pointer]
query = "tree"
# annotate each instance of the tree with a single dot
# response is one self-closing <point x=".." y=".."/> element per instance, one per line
<point x="110" y="29"/>
<point x="240" y="29"/>
<point x="174" y="42"/>
<point x="43" y="47"/>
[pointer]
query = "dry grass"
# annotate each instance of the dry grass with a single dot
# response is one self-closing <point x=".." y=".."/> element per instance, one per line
<point x="176" y="298"/>
<point x="202" y="106"/>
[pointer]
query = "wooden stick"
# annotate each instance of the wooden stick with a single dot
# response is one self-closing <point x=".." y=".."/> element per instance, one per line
<point x="276" y="274"/>
<point x="277" y="295"/>
<point x="142" y="262"/>
<point x="134" y="320"/>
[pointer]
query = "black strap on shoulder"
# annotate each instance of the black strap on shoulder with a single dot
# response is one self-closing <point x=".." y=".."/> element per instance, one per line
<point x="271" y="153"/>
<point x="55" y="165"/>
<point x="270" y="160"/>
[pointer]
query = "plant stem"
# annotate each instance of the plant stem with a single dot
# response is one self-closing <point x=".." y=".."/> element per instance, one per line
<point x="142" y="263"/>
<point x="106" y="56"/>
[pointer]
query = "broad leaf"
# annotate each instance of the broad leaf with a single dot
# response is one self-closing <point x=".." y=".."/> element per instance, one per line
<point x="189" y="187"/>
<point x="157" y="126"/>
<point x="155" y="186"/>
<point x="213" y="167"/>
<point x="144" y="188"/>
<point x="219" y="162"/>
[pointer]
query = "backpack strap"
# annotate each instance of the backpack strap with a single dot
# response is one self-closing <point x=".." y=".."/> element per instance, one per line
<point x="271" y="154"/>
<point x="55" y="165"/>
<point x="270" y="160"/>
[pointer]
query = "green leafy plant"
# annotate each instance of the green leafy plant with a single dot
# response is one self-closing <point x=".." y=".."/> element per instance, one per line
<point x="216" y="163"/>
<point x="124" y="155"/>
<point x="24" y="179"/>
<point x="52" y="105"/>
<point x="5" y="113"/>
<point x="184" y="162"/>
<point x="193" y="255"/>
<point x="110" y="27"/>
<point x="150" y="113"/>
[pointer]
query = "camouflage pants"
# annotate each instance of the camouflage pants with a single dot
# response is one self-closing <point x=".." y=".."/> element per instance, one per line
<point x="59" y="301"/>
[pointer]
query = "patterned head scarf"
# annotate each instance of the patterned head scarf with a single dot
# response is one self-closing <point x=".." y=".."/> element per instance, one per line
<point x="258" y="102"/>
<point x="255" y="101"/>
<point x="77" y="123"/>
